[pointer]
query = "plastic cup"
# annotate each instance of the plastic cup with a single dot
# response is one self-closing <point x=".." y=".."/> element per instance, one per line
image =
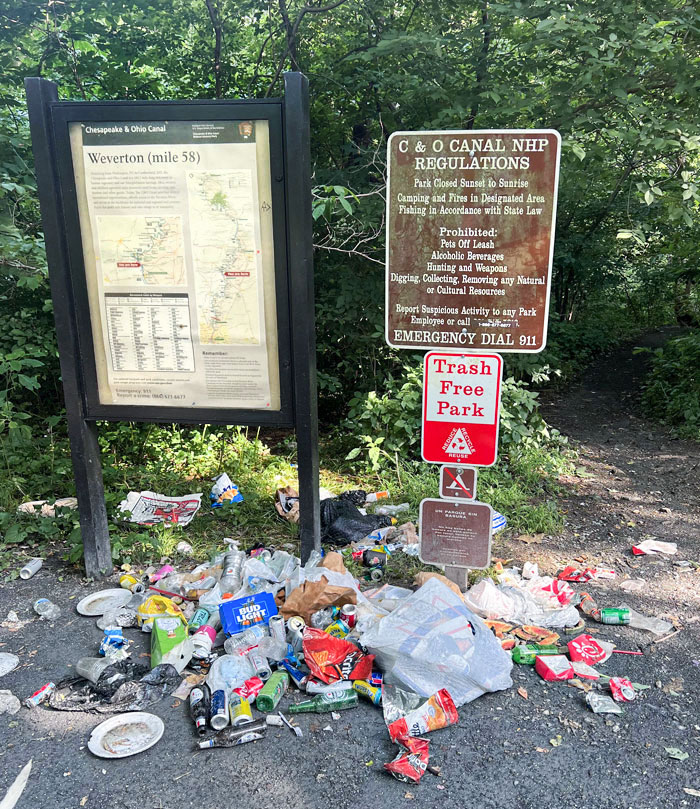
<point x="31" y="568"/>
<point x="92" y="667"/>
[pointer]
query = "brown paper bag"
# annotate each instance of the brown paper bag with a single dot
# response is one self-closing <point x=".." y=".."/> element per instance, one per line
<point x="315" y="595"/>
<point x="288" y="511"/>
<point x="422" y="577"/>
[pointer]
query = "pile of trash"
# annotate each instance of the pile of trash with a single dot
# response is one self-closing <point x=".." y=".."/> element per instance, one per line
<point x="242" y="636"/>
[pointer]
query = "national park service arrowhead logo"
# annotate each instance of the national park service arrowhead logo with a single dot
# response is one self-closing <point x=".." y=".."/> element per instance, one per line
<point x="458" y="443"/>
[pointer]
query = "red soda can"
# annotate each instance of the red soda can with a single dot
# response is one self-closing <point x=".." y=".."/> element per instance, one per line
<point x="40" y="696"/>
<point x="250" y="689"/>
<point x="622" y="689"/>
<point x="348" y="613"/>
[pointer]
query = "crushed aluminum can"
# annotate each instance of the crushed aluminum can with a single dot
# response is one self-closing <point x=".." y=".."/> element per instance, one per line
<point x="250" y="689"/>
<point x="622" y="689"/>
<point x="40" y="696"/>
<point x="338" y="629"/>
<point x="600" y="703"/>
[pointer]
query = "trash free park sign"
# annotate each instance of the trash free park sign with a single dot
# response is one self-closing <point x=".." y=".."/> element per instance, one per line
<point x="461" y="403"/>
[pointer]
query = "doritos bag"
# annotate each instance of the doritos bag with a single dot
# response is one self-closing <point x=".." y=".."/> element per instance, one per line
<point x="331" y="659"/>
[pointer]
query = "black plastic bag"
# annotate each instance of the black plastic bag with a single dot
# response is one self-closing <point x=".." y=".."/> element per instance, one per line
<point x="342" y="523"/>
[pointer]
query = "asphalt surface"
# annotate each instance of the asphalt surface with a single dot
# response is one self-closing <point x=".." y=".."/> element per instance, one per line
<point x="548" y="750"/>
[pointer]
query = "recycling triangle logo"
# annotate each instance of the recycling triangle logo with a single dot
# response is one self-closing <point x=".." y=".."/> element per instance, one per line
<point x="458" y="443"/>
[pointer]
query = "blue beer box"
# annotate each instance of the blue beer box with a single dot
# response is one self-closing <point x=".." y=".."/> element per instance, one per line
<point x="240" y="614"/>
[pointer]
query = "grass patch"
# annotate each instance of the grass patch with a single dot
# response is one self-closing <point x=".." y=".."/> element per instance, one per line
<point x="179" y="460"/>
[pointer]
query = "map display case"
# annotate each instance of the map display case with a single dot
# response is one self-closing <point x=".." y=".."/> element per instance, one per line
<point x="180" y="253"/>
<point x="177" y="240"/>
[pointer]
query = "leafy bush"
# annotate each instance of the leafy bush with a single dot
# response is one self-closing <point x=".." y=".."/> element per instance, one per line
<point x="672" y="390"/>
<point x="386" y="425"/>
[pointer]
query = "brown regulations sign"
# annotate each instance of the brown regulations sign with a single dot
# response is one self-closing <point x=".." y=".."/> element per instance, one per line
<point x="455" y="534"/>
<point x="470" y="237"/>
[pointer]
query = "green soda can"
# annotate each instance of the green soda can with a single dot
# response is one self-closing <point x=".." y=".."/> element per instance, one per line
<point x="528" y="652"/>
<point x="272" y="692"/>
<point x="615" y="615"/>
<point x="199" y="618"/>
<point x="324" y="703"/>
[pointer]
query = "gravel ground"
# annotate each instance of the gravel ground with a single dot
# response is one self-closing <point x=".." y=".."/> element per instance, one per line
<point x="544" y="751"/>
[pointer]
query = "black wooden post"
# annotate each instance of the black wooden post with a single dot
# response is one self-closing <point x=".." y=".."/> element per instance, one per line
<point x="297" y="138"/>
<point x="85" y="451"/>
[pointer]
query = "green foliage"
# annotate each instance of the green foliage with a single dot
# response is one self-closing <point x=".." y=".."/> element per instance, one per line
<point x="384" y="426"/>
<point x="672" y="392"/>
<point x="618" y="79"/>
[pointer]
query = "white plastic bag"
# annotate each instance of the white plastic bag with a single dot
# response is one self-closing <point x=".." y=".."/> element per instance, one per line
<point x="432" y="641"/>
<point x="516" y="605"/>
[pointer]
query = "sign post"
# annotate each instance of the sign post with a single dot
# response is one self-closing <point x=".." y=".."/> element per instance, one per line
<point x="178" y="239"/>
<point x="470" y="220"/>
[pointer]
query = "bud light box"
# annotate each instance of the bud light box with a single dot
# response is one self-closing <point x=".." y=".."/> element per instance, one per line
<point x="240" y="614"/>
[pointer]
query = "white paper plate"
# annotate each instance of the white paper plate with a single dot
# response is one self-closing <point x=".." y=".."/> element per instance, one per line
<point x="98" y="603"/>
<point x="125" y="735"/>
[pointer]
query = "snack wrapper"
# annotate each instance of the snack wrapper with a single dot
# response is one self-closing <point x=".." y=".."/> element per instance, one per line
<point x="331" y="659"/>
<point x="436" y="712"/>
<point x="410" y="765"/>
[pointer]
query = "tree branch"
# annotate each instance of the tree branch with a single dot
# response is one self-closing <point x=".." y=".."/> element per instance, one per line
<point x="218" y="39"/>
<point x="481" y="64"/>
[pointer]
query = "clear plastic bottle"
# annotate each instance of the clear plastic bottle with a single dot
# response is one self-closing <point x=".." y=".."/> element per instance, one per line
<point x="638" y="621"/>
<point x="237" y="644"/>
<point x="392" y="511"/>
<point x="273" y="648"/>
<point x="230" y="581"/>
<point x="46" y="609"/>
<point x="314" y="560"/>
<point x="322" y="618"/>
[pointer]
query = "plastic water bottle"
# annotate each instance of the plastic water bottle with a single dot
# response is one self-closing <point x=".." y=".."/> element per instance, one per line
<point x="46" y="609"/>
<point x="230" y="581"/>
<point x="237" y="644"/>
<point x="392" y="511"/>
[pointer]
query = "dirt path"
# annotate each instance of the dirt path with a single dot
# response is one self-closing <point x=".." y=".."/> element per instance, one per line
<point x="634" y="481"/>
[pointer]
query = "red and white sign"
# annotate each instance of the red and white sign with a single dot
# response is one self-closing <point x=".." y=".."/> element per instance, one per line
<point x="461" y="403"/>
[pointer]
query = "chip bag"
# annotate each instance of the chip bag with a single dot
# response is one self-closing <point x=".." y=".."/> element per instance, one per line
<point x="331" y="659"/>
<point x="436" y="712"/>
<point x="412" y="762"/>
<point x="157" y="606"/>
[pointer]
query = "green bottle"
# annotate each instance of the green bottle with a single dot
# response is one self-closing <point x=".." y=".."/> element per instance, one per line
<point x="528" y="652"/>
<point x="323" y="703"/>
<point x="272" y="692"/>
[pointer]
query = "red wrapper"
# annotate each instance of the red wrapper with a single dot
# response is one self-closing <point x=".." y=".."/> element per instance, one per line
<point x="436" y="712"/>
<point x="331" y="659"/>
<point x="411" y="764"/>
<point x="250" y="689"/>
<point x="622" y="689"/>
<point x="572" y="573"/>
<point x="587" y="649"/>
